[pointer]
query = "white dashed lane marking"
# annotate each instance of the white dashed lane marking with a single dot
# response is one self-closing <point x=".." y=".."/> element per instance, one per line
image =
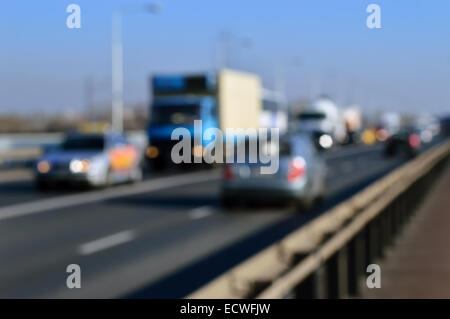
<point x="201" y="212"/>
<point x="106" y="242"/>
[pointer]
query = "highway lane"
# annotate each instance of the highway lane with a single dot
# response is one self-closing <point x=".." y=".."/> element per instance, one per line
<point x="151" y="239"/>
<point x="16" y="186"/>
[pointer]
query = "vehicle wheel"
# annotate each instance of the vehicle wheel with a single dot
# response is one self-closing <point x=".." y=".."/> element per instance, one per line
<point x="209" y="166"/>
<point x="410" y="153"/>
<point x="157" y="165"/>
<point x="389" y="151"/>
<point x="303" y="205"/>
<point x="136" y="175"/>
<point x="109" y="179"/>
<point x="42" y="186"/>
<point x="227" y="202"/>
<point x="320" y="198"/>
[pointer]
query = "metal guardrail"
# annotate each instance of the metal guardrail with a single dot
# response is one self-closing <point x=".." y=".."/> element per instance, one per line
<point x="27" y="140"/>
<point x="24" y="153"/>
<point x="327" y="257"/>
<point x="19" y="150"/>
<point x="22" y="157"/>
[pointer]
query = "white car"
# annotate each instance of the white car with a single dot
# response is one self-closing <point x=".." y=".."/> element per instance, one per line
<point x="92" y="159"/>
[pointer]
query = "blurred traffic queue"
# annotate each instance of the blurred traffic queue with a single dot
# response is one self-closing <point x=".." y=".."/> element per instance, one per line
<point x="329" y="124"/>
<point x="408" y="140"/>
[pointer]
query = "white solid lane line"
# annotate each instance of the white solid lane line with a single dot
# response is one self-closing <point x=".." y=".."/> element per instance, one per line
<point x="200" y="212"/>
<point x="106" y="242"/>
<point x="59" y="202"/>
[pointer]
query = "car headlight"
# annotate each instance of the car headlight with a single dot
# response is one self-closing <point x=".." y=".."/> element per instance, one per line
<point x="325" y="141"/>
<point x="43" y="167"/>
<point x="79" y="166"/>
<point x="152" y="152"/>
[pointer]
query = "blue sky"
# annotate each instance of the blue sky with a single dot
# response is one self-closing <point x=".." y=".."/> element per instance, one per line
<point x="314" y="46"/>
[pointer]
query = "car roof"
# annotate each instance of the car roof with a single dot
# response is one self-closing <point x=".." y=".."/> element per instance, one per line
<point x="81" y="135"/>
<point x="91" y="135"/>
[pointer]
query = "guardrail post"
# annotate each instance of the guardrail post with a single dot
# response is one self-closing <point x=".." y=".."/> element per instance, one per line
<point x="375" y="237"/>
<point x="368" y="257"/>
<point x="320" y="283"/>
<point x="382" y="231"/>
<point x="343" y="269"/>
<point x="338" y="274"/>
<point x="418" y="194"/>
<point x="395" y="218"/>
<point x="356" y="263"/>
<point x="408" y="205"/>
<point x="315" y="286"/>
<point x="402" y="210"/>
<point x="386" y="223"/>
<point x="372" y="241"/>
<point x="379" y="233"/>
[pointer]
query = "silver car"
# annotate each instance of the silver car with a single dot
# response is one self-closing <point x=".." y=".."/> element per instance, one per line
<point x="300" y="179"/>
<point x="92" y="159"/>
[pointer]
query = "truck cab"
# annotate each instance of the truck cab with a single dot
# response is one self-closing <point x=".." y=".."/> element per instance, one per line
<point x="178" y="101"/>
<point x="223" y="100"/>
<point x="322" y="117"/>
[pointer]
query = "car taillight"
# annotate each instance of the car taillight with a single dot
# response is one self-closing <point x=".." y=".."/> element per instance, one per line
<point x="228" y="173"/>
<point x="414" y="140"/>
<point x="297" y="169"/>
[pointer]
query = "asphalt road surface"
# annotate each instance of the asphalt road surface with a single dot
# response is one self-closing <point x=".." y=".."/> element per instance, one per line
<point x="163" y="237"/>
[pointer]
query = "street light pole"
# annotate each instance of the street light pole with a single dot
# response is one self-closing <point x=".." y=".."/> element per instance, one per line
<point x="117" y="73"/>
<point x="222" y="50"/>
<point x="223" y="47"/>
<point x="117" y="62"/>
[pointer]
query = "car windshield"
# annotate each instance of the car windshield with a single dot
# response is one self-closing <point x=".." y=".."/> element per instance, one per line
<point x="84" y="143"/>
<point x="175" y="114"/>
<point x="311" y="116"/>
<point x="271" y="148"/>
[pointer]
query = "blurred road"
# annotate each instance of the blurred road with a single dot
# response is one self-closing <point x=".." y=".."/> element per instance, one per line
<point x="163" y="237"/>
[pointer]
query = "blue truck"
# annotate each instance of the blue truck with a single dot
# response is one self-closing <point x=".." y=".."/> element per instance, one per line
<point x="223" y="99"/>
